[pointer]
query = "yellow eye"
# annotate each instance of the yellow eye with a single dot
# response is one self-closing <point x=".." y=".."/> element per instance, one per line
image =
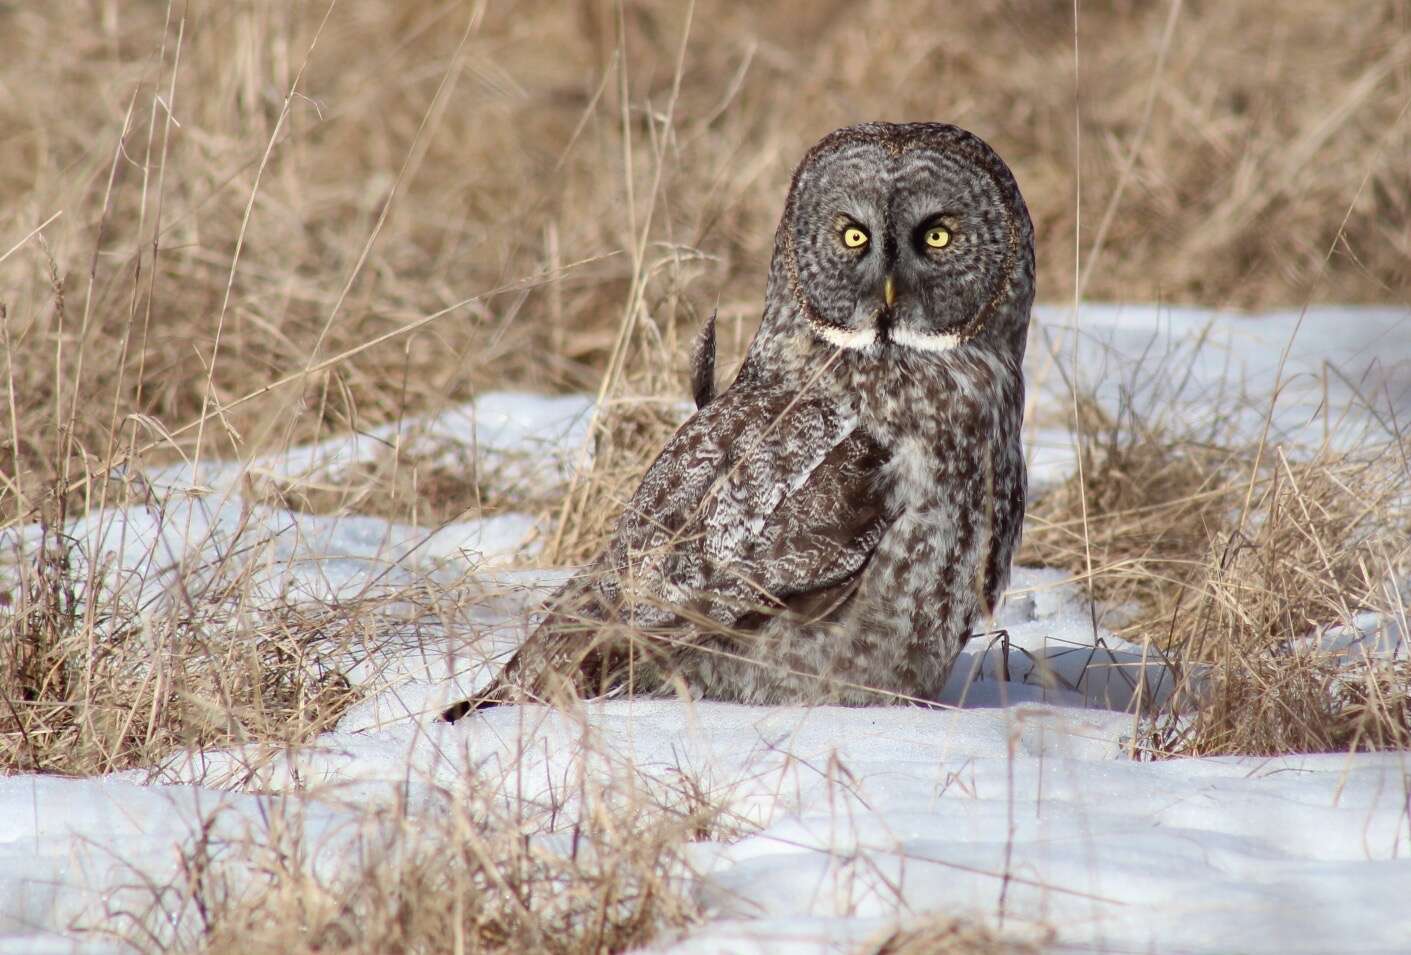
<point x="937" y="237"/>
<point x="854" y="238"/>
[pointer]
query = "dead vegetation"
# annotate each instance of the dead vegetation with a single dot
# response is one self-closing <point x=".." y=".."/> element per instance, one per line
<point x="92" y="683"/>
<point x="588" y="869"/>
<point x="627" y="438"/>
<point x="262" y="226"/>
<point x="1237" y="560"/>
<point x="1320" y="546"/>
<point x="940" y="935"/>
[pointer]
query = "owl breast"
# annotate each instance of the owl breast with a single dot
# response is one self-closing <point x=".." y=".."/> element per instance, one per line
<point x="955" y="480"/>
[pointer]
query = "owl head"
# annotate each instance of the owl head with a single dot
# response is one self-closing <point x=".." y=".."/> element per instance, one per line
<point x="909" y="237"/>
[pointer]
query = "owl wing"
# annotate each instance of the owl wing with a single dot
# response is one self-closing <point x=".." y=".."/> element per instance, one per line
<point x="761" y="503"/>
<point x="794" y="521"/>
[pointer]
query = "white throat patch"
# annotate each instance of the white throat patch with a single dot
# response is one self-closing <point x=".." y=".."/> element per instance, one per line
<point x="925" y="341"/>
<point x="855" y="339"/>
<point x="860" y="339"/>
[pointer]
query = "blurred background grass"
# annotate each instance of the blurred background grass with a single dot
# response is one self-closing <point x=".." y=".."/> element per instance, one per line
<point x="570" y="189"/>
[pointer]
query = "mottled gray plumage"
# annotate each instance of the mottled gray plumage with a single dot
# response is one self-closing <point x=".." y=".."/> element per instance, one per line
<point x="829" y="528"/>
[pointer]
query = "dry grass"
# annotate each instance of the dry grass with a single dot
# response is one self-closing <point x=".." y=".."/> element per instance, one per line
<point x="627" y="438"/>
<point x="92" y="683"/>
<point x="239" y="205"/>
<point x="1231" y="557"/>
<point x="1322" y="543"/>
<point x="592" y="869"/>
<point x="939" y="935"/>
<point x="1153" y="502"/>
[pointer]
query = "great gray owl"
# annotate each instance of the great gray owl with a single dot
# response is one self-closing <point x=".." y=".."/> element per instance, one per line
<point x="829" y="528"/>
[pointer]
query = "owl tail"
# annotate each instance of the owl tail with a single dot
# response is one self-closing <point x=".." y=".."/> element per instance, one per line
<point x="564" y="658"/>
<point x="452" y="713"/>
<point x="513" y="684"/>
<point x="581" y="650"/>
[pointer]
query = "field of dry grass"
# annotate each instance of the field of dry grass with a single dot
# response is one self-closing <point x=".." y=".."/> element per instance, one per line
<point x="265" y="222"/>
<point x="229" y="228"/>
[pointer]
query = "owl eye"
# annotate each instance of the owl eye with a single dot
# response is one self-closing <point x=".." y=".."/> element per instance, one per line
<point x="854" y="238"/>
<point x="937" y="237"/>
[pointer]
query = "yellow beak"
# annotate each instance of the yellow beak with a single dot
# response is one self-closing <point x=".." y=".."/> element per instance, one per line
<point x="889" y="291"/>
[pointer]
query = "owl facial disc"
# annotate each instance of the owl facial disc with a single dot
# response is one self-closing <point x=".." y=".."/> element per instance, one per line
<point x="903" y="236"/>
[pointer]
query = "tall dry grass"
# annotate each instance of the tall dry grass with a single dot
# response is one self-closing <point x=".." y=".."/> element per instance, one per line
<point x="473" y="876"/>
<point x="94" y="680"/>
<point x="1240" y="561"/>
<point x="252" y="211"/>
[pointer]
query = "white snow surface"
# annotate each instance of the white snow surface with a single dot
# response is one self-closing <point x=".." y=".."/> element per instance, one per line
<point x="1017" y="804"/>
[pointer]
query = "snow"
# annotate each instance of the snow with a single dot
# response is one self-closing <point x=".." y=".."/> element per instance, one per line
<point x="1343" y="374"/>
<point x="196" y="513"/>
<point x="1016" y="804"/>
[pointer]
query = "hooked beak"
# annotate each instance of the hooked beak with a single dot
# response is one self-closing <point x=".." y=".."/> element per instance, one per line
<point x="889" y="291"/>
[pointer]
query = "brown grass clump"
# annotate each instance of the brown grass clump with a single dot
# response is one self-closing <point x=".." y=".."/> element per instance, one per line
<point x="1324" y="543"/>
<point x="1271" y="704"/>
<point x="1231" y="558"/>
<point x="90" y="684"/>
<point x="1152" y="500"/>
<point x="595" y="869"/>
<point x="1373" y="707"/>
<point x="627" y="437"/>
<point x="942" y="935"/>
